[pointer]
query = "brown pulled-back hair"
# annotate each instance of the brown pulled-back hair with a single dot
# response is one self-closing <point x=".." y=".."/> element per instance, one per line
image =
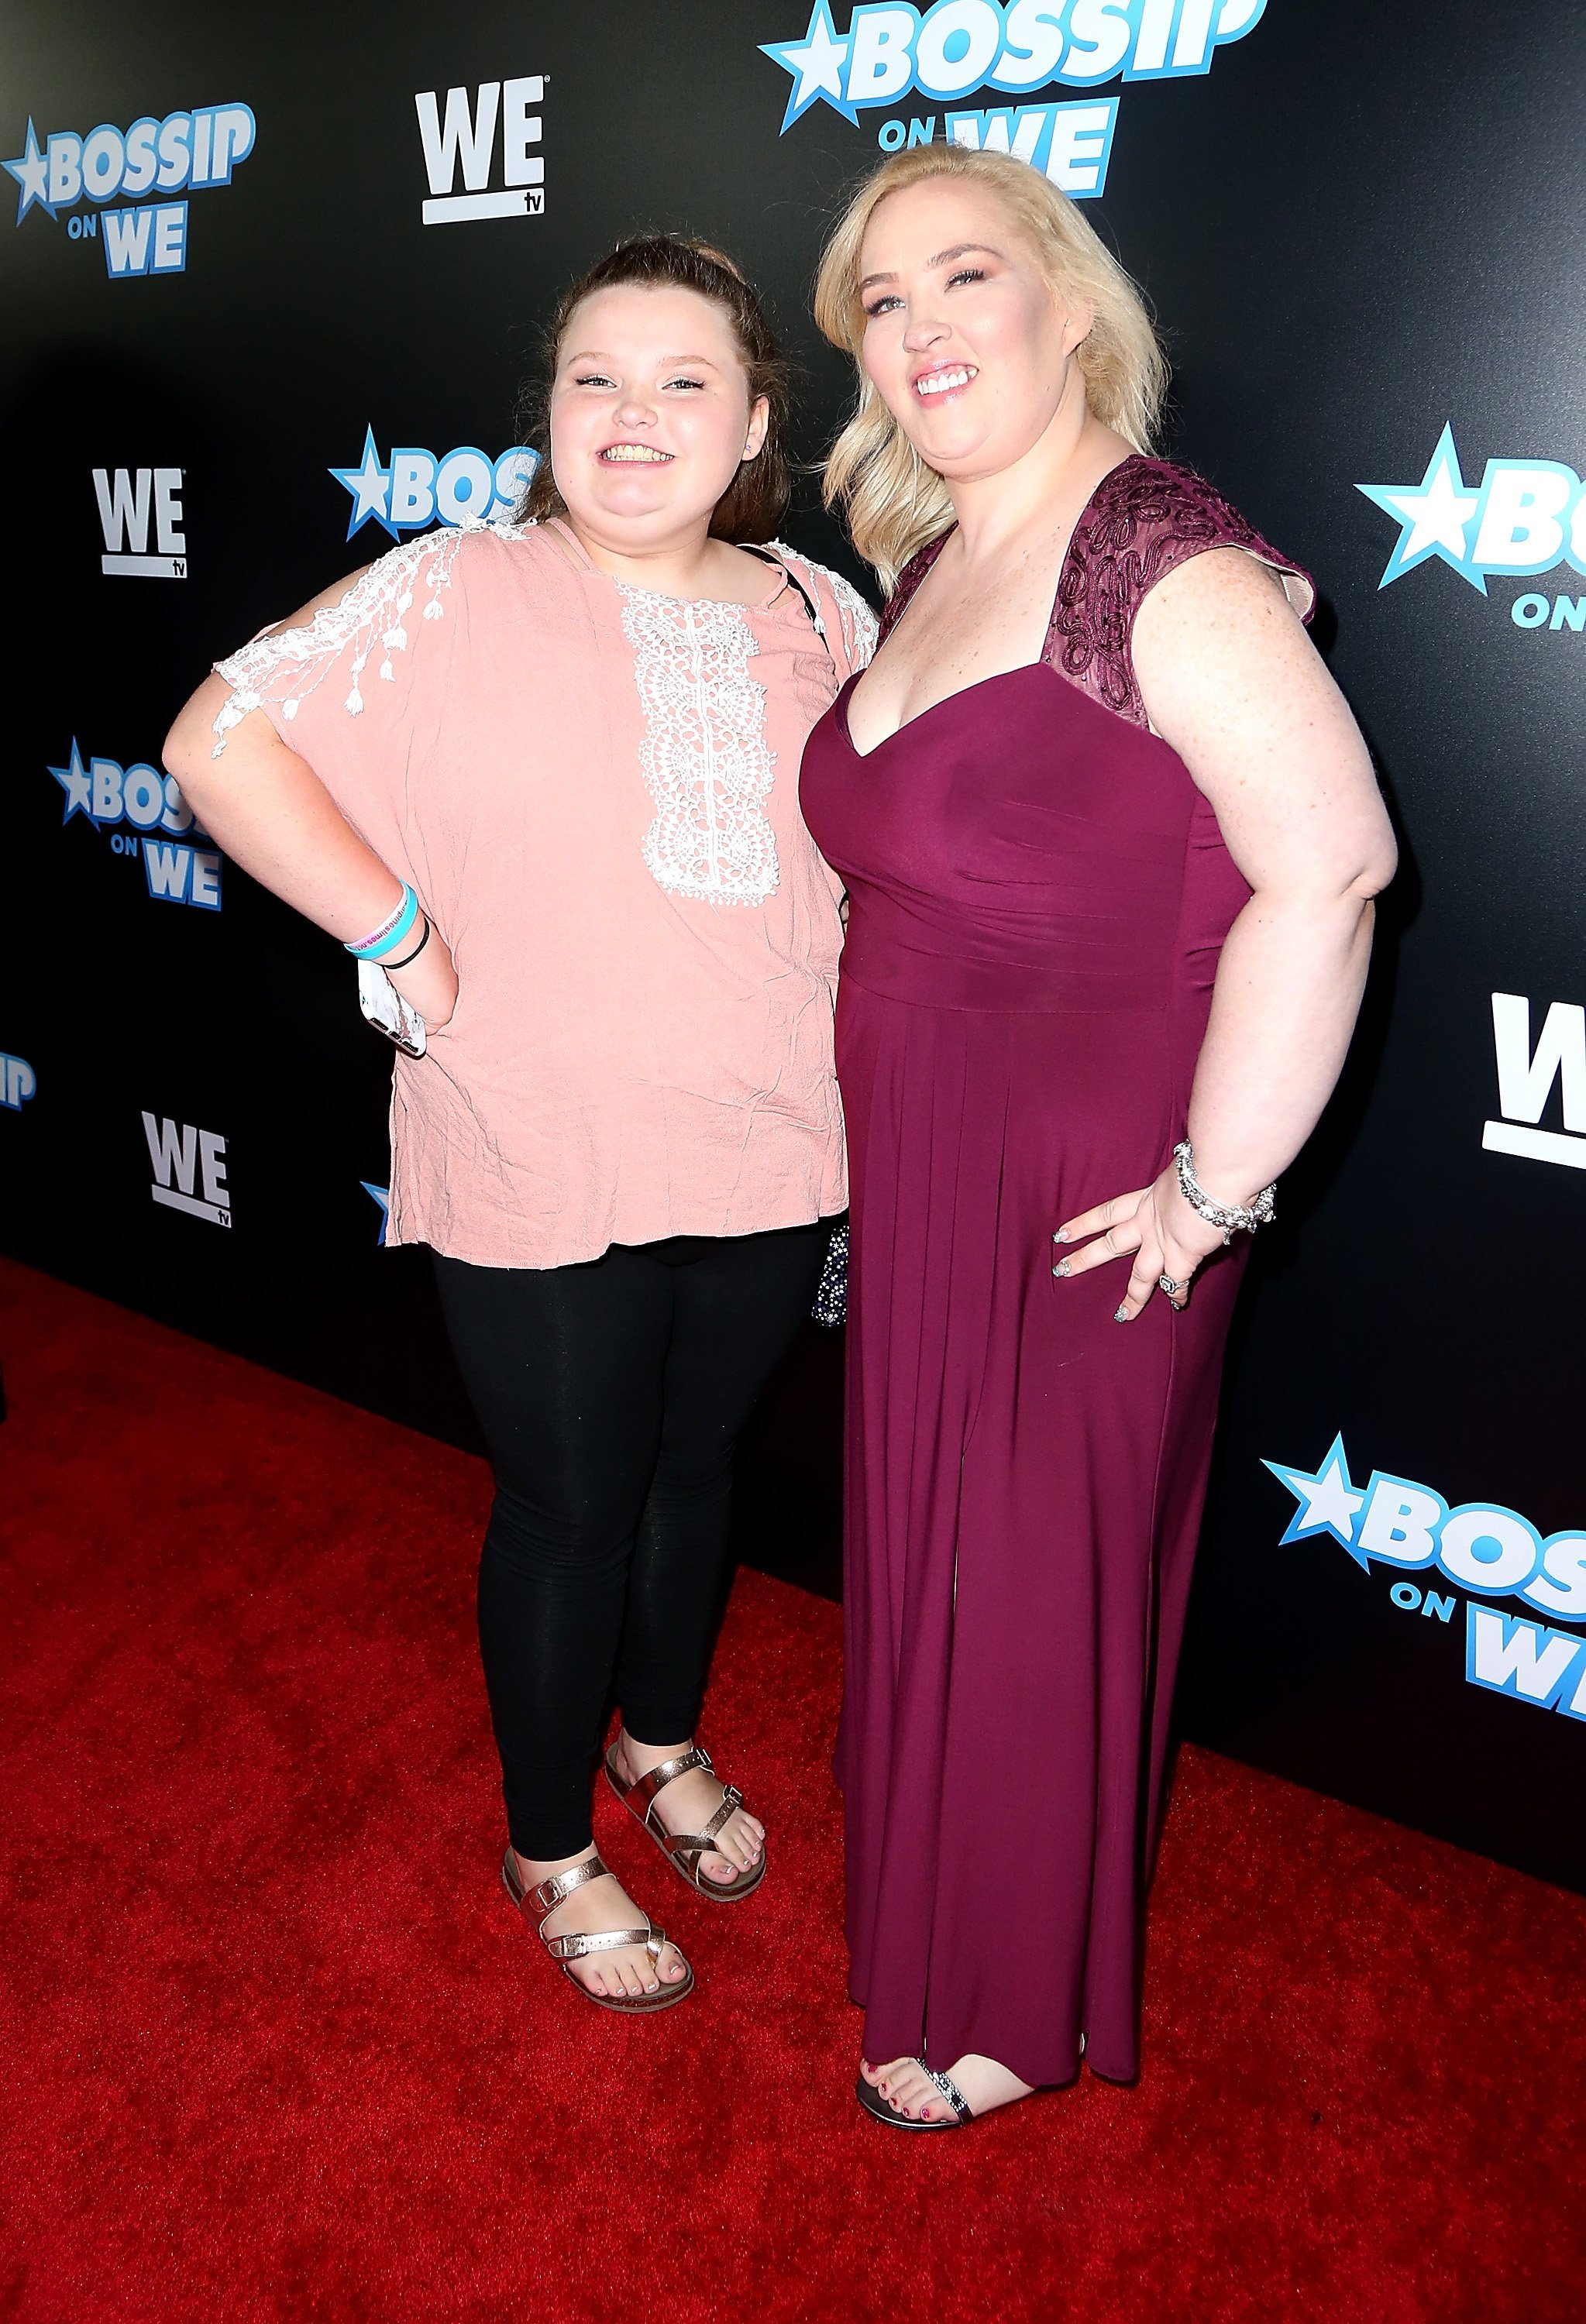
<point x="751" y="507"/>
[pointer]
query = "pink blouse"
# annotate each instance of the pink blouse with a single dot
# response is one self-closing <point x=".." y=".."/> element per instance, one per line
<point x="594" y="790"/>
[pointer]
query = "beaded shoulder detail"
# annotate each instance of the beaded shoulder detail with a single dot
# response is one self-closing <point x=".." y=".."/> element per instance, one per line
<point x="1143" y="520"/>
<point x="283" y="666"/>
<point x="906" y="583"/>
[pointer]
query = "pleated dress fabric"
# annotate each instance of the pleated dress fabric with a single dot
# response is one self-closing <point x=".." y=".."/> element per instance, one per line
<point x="1038" y="896"/>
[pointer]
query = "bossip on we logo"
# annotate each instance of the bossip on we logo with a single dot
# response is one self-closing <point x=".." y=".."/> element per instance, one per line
<point x="959" y="49"/>
<point x="415" y="489"/>
<point x="81" y="175"/>
<point x="1482" y="1550"/>
<point x="1527" y="517"/>
<point x="146" y="818"/>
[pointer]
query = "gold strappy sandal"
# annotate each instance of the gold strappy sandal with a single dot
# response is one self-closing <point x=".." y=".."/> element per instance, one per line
<point x="685" y="1849"/>
<point x="577" y="1944"/>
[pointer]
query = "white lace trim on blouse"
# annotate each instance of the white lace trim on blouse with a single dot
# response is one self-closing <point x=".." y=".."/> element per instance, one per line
<point x="283" y="666"/>
<point x="705" y="756"/>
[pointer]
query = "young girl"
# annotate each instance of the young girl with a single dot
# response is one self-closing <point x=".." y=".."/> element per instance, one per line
<point x="545" y="776"/>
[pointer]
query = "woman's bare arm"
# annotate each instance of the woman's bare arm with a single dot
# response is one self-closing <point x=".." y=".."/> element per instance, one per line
<point x="1232" y="681"/>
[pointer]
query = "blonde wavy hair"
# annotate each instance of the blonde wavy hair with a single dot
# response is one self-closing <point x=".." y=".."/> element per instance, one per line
<point x="890" y="500"/>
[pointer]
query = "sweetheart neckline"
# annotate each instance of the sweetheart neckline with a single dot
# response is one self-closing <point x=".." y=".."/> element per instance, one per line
<point x="974" y="686"/>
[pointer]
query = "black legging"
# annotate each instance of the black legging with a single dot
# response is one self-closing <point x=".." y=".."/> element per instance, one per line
<point x="610" y="1395"/>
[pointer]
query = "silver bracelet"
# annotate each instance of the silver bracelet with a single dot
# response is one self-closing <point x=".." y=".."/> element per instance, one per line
<point x="1232" y="1217"/>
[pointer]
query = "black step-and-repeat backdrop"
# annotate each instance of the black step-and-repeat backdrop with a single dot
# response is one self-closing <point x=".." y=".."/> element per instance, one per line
<point x="272" y="285"/>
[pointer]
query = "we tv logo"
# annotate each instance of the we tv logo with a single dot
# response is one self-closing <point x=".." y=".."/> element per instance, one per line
<point x="128" y="498"/>
<point x="465" y="136"/>
<point x="109" y="796"/>
<point x="1527" y="1076"/>
<point x="183" y="1159"/>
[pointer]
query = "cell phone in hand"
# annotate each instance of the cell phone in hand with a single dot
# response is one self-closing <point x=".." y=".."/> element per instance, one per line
<point x="384" y="1007"/>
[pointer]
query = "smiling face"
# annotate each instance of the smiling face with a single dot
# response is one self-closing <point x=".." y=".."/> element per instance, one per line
<point x="650" y="414"/>
<point x="966" y="339"/>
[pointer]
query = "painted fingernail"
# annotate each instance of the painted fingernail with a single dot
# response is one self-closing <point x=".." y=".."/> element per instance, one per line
<point x="1121" y="1316"/>
<point x="1061" y="1268"/>
<point x="1061" y="1235"/>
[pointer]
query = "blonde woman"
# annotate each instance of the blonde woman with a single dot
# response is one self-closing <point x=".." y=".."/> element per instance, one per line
<point x="1109" y="838"/>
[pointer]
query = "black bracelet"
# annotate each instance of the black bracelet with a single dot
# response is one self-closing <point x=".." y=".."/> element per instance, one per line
<point x="389" y="964"/>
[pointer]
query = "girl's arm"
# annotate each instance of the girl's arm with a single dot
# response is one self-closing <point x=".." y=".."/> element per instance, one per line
<point x="270" y="813"/>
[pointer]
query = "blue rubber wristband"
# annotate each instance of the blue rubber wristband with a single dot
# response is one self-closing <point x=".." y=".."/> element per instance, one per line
<point x="380" y="944"/>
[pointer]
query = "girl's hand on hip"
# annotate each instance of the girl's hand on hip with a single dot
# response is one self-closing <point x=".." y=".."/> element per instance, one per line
<point x="1155" y="1229"/>
<point x="430" y="984"/>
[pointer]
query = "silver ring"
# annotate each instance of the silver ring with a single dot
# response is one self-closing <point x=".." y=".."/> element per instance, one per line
<point x="1166" y="1283"/>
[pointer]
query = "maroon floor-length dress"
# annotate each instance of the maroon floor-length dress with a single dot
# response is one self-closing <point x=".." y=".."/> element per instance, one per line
<point x="1038" y="897"/>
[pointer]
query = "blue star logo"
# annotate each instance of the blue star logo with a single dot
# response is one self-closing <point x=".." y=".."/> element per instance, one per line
<point x="370" y="486"/>
<point x="380" y="1198"/>
<point x="1435" y="517"/>
<point x="77" y="783"/>
<point x="816" y="63"/>
<point x="1325" y="1502"/>
<point x="30" y="170"/>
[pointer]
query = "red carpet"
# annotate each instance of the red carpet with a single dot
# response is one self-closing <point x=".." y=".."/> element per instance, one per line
<point x="275" y="2047"/>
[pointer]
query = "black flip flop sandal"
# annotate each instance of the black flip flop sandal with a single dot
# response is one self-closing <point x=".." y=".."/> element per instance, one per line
<point x="873" y="2103"/>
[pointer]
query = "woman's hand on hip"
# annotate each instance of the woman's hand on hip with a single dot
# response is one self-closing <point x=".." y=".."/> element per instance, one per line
<point x="429" y="983"/>
<point x="1155" y="1229"/>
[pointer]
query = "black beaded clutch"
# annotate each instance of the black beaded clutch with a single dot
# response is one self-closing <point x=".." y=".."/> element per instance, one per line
<point x="831" y="1298"/>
